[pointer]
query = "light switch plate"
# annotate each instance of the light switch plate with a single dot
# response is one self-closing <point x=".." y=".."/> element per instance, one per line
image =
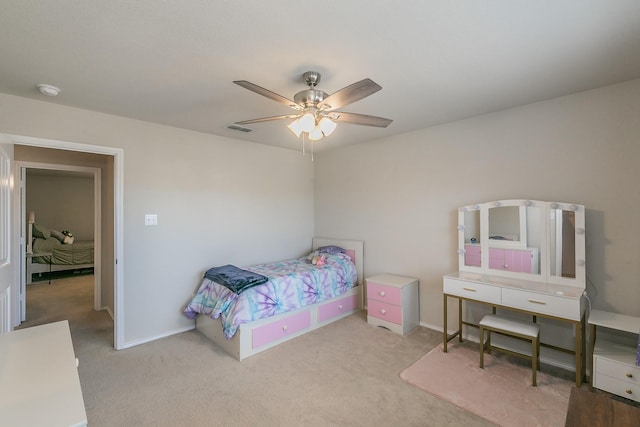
<point x="151" y="219"/>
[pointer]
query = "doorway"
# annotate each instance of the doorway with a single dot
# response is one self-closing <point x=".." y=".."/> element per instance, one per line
<point x="51" y="151"/>
<point x="60" y="197"/>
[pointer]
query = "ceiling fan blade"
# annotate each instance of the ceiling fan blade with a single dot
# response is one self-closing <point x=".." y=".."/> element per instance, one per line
<point x="360" y="119"/>
<point x="350" y="94"/>
<point x="266" y="92"/>
<point x="267" y="119"/>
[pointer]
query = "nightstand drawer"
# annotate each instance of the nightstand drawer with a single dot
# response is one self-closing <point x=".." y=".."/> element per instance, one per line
<point x="620" y="371"/>
<point x="617" y="386"/>
<point x="384" y="311"/>
<point x="384" y="293"/>
<point x="472" y="290"/>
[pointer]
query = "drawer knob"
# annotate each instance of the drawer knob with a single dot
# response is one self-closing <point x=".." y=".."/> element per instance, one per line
<point x="629" y="375"/>
<point x="340" y="307"/>
<point x="383" y="311"/>
<point x="381" y="293"/>
<point x="629" y="391"/>
<point x="284" y="327"/>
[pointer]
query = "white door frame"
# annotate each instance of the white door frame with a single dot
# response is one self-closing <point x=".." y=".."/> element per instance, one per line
<point x="97" y="221"/>
<point x="118" y="188"/>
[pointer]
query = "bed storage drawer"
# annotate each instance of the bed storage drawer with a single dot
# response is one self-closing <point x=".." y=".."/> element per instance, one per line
<point x="278" y="329"/>
<point x="336" y="308"/>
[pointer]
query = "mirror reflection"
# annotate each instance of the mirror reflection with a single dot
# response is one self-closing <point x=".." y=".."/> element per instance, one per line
<point x="514" y="239"/>
<point x="504" y="223"/>
<point x="562" y="243"/>
<point x="472" y="256"/>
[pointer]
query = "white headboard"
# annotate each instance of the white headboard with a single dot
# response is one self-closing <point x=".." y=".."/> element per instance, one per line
<point x="354" y="245"/>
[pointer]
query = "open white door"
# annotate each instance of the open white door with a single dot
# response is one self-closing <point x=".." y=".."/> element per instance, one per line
<point x="7" y="279"/>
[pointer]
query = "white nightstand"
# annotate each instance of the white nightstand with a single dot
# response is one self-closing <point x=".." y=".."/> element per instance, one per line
<point x="393" y="302"/>
<point x="614" y="369"/>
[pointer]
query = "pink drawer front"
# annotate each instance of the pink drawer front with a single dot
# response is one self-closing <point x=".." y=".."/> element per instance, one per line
<point x="281" y="328"/>
<point x="384" y="293"/>
<point x="336" y="308"/>
<point x="383" y="311"/>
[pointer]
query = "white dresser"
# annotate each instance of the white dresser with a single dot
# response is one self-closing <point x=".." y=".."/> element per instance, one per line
<point x="39" y="383"/>
<point x="393" y="302"/>
<point x="614" y="368"/>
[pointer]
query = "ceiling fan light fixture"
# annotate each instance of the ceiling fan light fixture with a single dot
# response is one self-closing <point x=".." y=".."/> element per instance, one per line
<point x="316" y="134"/>
<point x="327" y="126"/>
<point x="295" y="127"/>
<point x="307" y="122"/>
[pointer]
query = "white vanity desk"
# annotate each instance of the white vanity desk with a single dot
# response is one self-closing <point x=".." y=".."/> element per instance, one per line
<point x="540" y="271"/>
<point x="39" y="384"/>
<point x="558" y="302"/>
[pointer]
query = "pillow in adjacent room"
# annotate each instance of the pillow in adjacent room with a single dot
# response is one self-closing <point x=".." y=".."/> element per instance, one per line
<point x="58" y="235"/>
<point x="41" y="231"/>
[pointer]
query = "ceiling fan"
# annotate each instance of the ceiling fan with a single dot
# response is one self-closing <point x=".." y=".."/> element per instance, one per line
<point x="316" y="110"/>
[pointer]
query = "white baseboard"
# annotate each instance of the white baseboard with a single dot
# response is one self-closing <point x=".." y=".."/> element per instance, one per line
<point x="157" y="337"/>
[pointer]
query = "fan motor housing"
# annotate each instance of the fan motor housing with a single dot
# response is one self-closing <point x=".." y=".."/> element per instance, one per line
<point x="309" y="97"/>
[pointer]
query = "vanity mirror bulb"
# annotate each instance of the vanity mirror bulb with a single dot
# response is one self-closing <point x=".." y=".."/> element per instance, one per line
<point x="554" y="206"/>
<point x="461" y="251"/>
<point x="573" y="208"/>
<point x="580" y="230"/>
<point x="528" y="203"/>
<point x="581" y="262"/>
<point x="496" y="204"/>
<point x="460" y="227"/>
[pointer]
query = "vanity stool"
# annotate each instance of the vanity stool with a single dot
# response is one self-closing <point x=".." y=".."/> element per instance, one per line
<point x="525" y="330"/>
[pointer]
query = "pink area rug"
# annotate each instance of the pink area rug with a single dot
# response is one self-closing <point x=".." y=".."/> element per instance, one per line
<point x="501" y="392"/>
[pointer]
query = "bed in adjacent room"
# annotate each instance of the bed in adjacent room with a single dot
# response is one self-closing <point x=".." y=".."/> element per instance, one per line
<point x="52" y="250"/>
<point x="282" y="300"/>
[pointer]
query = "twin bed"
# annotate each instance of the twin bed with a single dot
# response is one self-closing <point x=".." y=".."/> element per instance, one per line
<point x="46" y="252"/>
<point x="299" y="296"/>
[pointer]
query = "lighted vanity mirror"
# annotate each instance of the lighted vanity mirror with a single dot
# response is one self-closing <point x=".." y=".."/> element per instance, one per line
<point x="563" y="259"/>
<point x="471" y="236"/>
<point x="525" y="239"/>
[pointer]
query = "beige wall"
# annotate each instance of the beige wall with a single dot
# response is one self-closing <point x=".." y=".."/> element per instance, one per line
<point x="400" y="194"/>
<point x="62" y="203"/>
<point x="218" y="201"/>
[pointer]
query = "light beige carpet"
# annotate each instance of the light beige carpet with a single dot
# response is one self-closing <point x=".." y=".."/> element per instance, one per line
<point x="501" y="392"/>
<point x="344" y="374"/>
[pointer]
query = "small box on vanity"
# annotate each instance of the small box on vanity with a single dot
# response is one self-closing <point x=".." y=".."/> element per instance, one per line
<point x="393" y="302"/>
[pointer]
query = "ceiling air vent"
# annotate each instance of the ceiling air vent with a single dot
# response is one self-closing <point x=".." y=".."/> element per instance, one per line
<point x="239" y="128"/>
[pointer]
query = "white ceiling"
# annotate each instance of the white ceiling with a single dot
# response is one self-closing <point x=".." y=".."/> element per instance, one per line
<point x="174" y="61"/>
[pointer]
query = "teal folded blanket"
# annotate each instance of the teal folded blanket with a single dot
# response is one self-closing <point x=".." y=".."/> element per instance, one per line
<point x="234" y="278"/>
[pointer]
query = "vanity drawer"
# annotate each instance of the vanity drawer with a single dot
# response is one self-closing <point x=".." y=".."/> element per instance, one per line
<point x="336" y="308"/>
<point x="472" y="290"/>
<point x="617" y="386"/>
<point x="542" y="303"/>
<point x="280" y="328"/>
<point x="384" y="311"/>
<point x="384" y="293"/>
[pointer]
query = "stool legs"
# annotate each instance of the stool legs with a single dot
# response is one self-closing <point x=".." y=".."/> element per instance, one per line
<point x="534" y="360"/>
<point x="481" y="347"/>
<point x="535" y="353"/>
